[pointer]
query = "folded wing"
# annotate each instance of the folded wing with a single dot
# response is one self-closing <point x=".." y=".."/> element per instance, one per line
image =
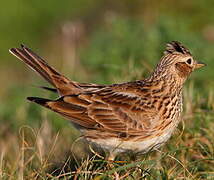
<point x="105" y="109"/>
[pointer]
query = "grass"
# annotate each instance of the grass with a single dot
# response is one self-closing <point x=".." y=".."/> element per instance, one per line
<point x="47" y="153"/>
<point x="38" y="144"/>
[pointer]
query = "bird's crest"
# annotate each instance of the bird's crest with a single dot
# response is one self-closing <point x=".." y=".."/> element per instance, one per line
<point x="176" y="47"/>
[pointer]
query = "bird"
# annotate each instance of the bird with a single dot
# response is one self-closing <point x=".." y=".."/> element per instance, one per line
<point x="138" y="116"/>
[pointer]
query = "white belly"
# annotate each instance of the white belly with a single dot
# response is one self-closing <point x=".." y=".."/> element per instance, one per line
<point x="116" y="145"/>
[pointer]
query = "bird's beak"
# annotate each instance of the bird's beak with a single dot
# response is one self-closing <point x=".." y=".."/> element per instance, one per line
<point x="199" y="64"/>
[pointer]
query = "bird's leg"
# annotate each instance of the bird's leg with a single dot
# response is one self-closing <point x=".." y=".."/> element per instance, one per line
<point x="111" y="156"/>
<point x="110" y="160"/>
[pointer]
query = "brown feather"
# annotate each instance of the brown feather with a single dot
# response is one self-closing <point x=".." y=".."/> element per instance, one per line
<point x="183" y="69"/>
<point x="140" y="115"/>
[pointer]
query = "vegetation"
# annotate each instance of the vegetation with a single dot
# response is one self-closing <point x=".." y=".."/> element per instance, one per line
<point x="103" y="42"/>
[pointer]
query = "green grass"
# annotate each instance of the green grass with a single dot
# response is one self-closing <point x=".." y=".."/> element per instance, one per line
<point x="44" y="153"/>
<point x="48" y="149"/>
<point x="114" y="42"/>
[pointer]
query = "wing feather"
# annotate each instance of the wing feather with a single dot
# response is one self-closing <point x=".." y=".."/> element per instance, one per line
<point x="91" y="111"/>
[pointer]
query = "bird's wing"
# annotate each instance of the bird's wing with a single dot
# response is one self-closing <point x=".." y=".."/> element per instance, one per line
<point x="107" y="109"/>
<point x="124" y="111"/>
<point x="63" y="85"/>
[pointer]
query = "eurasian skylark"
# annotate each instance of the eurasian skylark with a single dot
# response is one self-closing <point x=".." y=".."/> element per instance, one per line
<point x="137" y="116"/>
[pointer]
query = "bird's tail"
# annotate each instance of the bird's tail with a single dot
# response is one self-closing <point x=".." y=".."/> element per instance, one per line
<point x="63" y="85"/>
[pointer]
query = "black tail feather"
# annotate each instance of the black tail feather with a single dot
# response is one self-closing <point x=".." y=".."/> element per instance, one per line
<point x="41" y="101"/>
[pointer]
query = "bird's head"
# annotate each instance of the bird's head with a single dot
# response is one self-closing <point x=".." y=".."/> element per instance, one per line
<point x="177" y="62"/>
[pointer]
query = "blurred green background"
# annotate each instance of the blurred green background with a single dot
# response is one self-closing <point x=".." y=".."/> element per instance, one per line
<point x="101" y="41"/>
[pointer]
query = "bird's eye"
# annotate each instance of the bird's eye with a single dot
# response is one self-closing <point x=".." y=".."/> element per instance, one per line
<point x="189" y="61"/>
